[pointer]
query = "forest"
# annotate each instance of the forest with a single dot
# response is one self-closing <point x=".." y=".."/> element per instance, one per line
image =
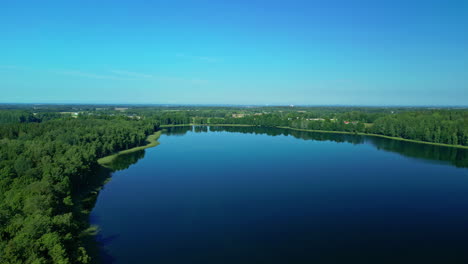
<point x="48" y="157"/>
<point x="44" y="167"/>
<point x="436" y="126"/>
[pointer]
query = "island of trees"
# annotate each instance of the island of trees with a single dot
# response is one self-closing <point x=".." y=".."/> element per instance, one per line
<point x="49" y="154"/>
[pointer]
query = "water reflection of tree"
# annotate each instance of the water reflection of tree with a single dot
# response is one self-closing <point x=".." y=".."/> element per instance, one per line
<point x="177" y="131"/>
<point x="354" y="139"/>
<point x="199" y="129"/>
<point x="454" y="156"/>
<point x="123" y="161"/>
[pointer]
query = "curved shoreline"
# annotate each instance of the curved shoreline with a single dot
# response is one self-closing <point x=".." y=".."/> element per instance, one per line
<point x="152" y="142"/>
<point x="332" y="132"/>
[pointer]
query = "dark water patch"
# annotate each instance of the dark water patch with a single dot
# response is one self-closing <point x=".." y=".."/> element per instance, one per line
<point x="123" y="161"/>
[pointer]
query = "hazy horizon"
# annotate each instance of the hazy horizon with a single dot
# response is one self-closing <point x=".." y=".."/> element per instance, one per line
<point x="235" y="105"/>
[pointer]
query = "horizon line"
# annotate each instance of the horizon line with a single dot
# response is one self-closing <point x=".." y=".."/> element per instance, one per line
<point x="239" y="105"/>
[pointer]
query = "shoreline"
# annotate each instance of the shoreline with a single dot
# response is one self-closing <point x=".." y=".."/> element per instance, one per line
<point x="377" y="135"/>
<point x="331" y="132"/>
<point x="152" y="139"/>
<point x="192" y="124"/>
<point x="152" y="142"/>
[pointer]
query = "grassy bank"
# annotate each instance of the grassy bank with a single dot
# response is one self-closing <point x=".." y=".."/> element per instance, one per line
<point x="333" y="132"/>
<point x="152" y="142"/>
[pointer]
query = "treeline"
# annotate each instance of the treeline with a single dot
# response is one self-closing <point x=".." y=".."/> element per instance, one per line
<point x="437" y="126"/>
<point x="171" y="118"/>
<point x="43" y="169"/>
<point x="23" y="116"/>
<point x="448" y="127"/>
<point x="293" y="121"/>
<point x="17" y="116"/>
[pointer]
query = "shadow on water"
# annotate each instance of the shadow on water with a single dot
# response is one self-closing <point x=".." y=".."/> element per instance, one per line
<point x="123" y="161"/>
<point x="178" y="131"/>
<point x="455" y="156"/>
<point x="439" y="154"/>
<point x="87" y="191"/>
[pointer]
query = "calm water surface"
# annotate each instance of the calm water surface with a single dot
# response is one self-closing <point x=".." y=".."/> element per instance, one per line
<point x="256" y="195"/>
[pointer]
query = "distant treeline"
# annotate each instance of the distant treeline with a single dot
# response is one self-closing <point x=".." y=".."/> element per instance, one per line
<point x="44" y="168"/>
<point x="437" y="126"/>
<point x="21" y="116"/>
<point x="448" y="127"/>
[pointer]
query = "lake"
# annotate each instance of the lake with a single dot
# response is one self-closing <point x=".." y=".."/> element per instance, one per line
<point x="265" y="195"/>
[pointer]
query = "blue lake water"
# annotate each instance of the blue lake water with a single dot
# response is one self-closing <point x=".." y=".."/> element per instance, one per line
<point x="263" y="195"/>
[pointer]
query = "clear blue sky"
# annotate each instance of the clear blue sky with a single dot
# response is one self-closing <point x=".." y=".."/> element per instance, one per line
<point x="235" y="52"/>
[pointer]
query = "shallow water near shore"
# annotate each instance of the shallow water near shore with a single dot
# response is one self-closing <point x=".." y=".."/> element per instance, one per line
<point x="268" y="195"/>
